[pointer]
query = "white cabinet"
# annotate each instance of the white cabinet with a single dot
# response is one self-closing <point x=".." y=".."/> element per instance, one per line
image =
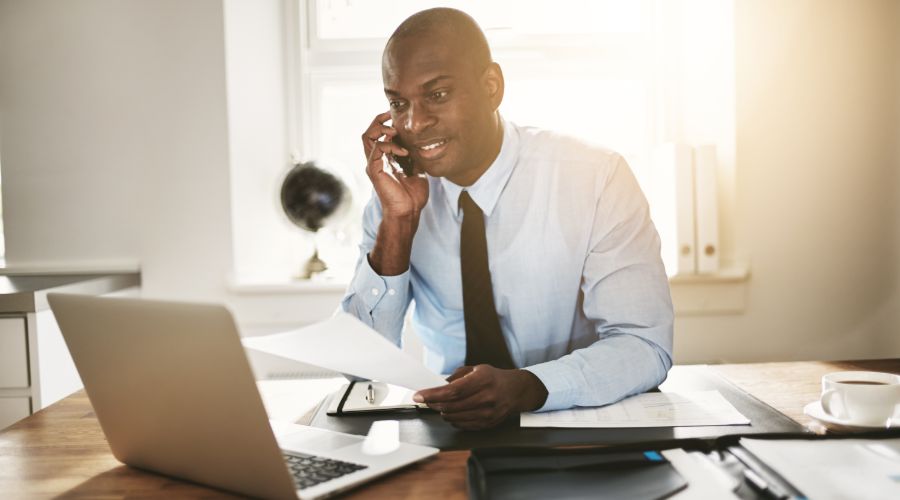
<point x="13" y="409"/>
<point x="13" y="353"/>
<point x="36" y="369"/>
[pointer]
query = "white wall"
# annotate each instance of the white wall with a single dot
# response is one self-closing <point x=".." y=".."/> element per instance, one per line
<point x="117" y="148"/>
<point x="257" y="68"/>
<point x="115" y="145"/>
<point x="817" y="183"/>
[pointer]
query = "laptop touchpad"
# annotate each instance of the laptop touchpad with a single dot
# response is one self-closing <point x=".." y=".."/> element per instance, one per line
<point x="310" y="439"/>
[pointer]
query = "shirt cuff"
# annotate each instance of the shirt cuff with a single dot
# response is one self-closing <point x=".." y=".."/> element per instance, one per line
<point x="385" y="292"/>
<point x="561" y="394"/>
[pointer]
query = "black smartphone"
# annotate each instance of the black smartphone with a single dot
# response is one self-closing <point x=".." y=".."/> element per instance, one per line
<point x="405" y="162"/>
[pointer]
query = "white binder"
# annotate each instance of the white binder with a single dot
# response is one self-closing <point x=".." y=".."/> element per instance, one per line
<point x="707" y="209"/>
<point x="674" y="214"/>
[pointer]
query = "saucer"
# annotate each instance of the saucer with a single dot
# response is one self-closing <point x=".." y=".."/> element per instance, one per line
<point x="816" y="411"/>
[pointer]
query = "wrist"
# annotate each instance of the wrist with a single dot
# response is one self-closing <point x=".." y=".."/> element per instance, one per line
<point x="532" y="392"/>
<point x="400" y="224"/>
<point x="393" y="245"/>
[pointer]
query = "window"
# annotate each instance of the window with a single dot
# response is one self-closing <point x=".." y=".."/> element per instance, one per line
<point x="628" y="75"/>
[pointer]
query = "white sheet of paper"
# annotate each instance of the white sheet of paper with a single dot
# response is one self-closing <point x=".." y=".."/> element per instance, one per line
<point x="705" y="480"/>
<point x="290" y="399"/>
<point x="344" y="344"/>
<point x="840" y="468"/>
<point x="651" y="409"/>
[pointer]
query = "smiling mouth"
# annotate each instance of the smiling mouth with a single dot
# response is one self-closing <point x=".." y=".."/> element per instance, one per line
<point x="433" y="149"/>
<point x="433" y="145"/>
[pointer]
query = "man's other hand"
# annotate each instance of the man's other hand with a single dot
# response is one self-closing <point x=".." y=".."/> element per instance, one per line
<point x="480" y="397"/>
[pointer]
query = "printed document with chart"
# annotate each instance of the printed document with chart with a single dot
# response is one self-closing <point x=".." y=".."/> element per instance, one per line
<point x="651" y="409"/>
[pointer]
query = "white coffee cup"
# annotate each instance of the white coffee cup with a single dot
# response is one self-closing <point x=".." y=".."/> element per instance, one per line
<point x="860" y="397"/>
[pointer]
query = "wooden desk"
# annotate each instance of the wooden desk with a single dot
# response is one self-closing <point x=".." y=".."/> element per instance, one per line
<point x="61" y="451"/>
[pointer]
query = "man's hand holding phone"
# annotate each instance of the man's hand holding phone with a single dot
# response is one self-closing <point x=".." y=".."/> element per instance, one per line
<point x="402" y="197"/>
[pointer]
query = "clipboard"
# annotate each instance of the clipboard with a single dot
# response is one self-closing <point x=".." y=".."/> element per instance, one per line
<point x="367" y="397"/>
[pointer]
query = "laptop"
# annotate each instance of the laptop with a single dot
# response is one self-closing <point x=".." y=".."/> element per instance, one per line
<point x="173" y="391"/>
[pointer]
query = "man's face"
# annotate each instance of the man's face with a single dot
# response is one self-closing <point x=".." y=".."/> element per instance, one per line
<point x="441" y="106"/>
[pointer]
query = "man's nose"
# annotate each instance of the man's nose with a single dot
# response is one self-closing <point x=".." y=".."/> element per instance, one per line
<point x="418" y="119"/>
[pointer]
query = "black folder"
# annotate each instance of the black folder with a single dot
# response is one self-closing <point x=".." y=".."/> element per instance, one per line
<point x="428" y="428"/>
<point x="525" y="474"/>
<point x="631" y="470"/>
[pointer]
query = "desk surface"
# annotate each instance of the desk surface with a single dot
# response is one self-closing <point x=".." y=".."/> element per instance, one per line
<point x="61" y="449"/>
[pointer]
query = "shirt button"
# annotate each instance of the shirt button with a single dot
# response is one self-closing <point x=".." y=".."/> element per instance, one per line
<point x="374" y="291"/>
<point x="392" y="292"/>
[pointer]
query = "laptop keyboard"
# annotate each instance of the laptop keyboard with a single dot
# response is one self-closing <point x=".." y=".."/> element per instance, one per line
<point x="310" y="470"/>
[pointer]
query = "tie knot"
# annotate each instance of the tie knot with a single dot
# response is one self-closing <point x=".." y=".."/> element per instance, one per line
<point x="467" y="204"/>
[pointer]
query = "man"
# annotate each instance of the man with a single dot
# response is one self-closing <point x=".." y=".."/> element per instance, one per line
<point x="568" y="305"/>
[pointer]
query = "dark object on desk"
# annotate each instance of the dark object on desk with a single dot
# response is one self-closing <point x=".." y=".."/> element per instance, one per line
<point x="311" y="198"/>
<point x="568" y="474"/>
<point x="525" y="473"/>
<point x="430" y="429"/>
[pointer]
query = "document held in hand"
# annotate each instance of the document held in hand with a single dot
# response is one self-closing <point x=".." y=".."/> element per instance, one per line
<point x="344" y="344"/>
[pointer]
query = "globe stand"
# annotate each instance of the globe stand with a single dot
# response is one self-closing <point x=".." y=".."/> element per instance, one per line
<point x="313" y="266"/>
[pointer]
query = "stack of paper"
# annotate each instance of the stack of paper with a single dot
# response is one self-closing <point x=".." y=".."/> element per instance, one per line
<point x="652" y="409"/>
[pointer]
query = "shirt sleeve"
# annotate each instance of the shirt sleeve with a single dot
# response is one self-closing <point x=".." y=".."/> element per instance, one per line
<point x="378" y="301"/>
<point x="626" y="298"/>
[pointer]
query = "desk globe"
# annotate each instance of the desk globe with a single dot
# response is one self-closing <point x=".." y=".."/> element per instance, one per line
<point x="313" y="198"/>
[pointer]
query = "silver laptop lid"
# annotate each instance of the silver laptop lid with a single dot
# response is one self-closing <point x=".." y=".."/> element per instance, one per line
<point x="173" y="391"/>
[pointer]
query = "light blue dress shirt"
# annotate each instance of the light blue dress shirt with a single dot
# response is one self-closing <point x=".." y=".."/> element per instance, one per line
<point x="575" y="263"/>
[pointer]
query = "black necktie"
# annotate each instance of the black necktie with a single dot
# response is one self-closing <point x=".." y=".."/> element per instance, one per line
<point x="484" y="339"/>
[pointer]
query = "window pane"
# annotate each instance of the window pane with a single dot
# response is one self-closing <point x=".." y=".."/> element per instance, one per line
<point x="342" y="109"/>
<point x="355" y="19"/>
<point x="609" y="112"/>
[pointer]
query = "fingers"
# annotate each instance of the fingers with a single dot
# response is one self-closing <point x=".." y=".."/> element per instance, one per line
<point x="380" y="148"/>
<point x="475" y="402"/>
<point x="476" y="397"/>
<point x="477" y="418"/>
<point x="383" y="116"/>
<point x="385" y="147"/>
<point x="376" y="130"/>
<point x="458" y="389"/>
<point x="459" y="372"/>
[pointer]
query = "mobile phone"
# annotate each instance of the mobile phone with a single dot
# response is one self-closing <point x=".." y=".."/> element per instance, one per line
<point x="405" y="162"/>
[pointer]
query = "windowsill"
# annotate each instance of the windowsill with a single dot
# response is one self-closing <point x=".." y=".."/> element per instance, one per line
<point x="328" y="282"/>
<point x="730" y="274"/>
<point x="723" y="292"/>
<point x="298" y="286"/>
<point x="66" y="268"/>
<point x="718" y="293"/>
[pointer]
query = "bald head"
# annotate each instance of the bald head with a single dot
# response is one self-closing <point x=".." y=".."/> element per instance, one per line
<point x="453" y="27"/>
<point x="444" y="91"/>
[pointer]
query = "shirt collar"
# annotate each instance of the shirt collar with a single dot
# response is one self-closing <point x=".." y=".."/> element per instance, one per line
<point x="487" y="189"/>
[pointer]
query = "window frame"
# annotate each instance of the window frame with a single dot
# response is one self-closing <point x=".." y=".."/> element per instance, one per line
<point x="314" y="62"/>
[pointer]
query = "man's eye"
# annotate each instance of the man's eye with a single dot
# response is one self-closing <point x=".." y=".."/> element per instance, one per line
<point x="438" y="95"/>
<point x="396" y="104"/>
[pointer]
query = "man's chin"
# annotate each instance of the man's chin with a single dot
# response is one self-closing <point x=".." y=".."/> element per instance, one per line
<point x="437" y="168"/>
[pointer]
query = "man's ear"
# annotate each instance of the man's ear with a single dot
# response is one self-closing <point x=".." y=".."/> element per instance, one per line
<point x="493" y="84"/>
